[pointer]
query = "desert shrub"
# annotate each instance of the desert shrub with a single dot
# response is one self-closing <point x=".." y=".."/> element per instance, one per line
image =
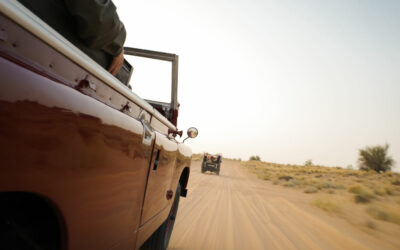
<point x="389" y="174"/>
<point x="285" y="177"/>
<point x="326" y="205"/>
<point x="255" y="158"/>
<point x="275" y="182"/>
<point x="309" y="182"/>
<point x="395" y="181"/>
<point x="361" y="194"/>
<point x="310" y="190"/>
<point x="266" y="176"/>
<point x="377" y="213"/>
<point x="308" y="163"/>
<point x="375" y="158"/>
<point x="363" y="197"/>
<point x="385" y="214"/>
<point x="388" y="190"/>
<point x="380" y="191"/>
<point x="322" y="185"/>
<point x="355" y="189"/>
<point x="351" y="174"/>
<point x="291" y="183"/>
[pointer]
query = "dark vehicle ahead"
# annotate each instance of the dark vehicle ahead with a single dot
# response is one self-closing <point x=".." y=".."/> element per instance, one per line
<point x="211" y="163"/>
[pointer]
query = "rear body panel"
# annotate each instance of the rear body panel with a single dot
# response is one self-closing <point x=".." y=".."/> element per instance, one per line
<point x="211" y="163"/>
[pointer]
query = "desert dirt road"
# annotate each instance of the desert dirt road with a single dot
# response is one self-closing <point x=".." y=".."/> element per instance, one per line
<point x="238" y="211"/>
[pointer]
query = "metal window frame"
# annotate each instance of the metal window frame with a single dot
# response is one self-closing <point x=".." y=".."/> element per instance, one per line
<point x="173" y="58"/>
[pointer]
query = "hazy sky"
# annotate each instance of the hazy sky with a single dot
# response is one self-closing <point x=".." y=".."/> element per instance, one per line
<point x="286" y="80"/>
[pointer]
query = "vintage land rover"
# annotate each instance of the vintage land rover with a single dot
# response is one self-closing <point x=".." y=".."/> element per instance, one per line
<point x="211" y="163"/>
<point x="85" y="162"/>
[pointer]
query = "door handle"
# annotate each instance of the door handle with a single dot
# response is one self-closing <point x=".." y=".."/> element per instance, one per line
<point x="156" y="160"/>
<point x="147" y="131"/>
<point x="147" y="134"/>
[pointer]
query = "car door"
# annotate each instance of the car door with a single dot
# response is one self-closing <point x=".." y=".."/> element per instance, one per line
<point x="158" y="190"/>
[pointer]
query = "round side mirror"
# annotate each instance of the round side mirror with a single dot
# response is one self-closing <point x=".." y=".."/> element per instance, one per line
<point x="192" y="132"/>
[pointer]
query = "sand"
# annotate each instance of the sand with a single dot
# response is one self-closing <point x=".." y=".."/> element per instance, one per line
<point x="238" y="211"/>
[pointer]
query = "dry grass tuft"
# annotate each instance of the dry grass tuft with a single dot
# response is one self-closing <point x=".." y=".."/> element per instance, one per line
<point x="380" y="191"/>
<point x="326" y="205"/>
<point x="361" y="194"/>
<point x="310" y="190"/>
<point x="396" y="181"/>
<point x="363" y="197"/>
<point x="265" y="176"/>
<point x="355" y="189"/>
<point x="285" y="177"/>
<point x="385" y="213"/>
<point x="291" y="183"/>
<point x="389" y="190"/>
